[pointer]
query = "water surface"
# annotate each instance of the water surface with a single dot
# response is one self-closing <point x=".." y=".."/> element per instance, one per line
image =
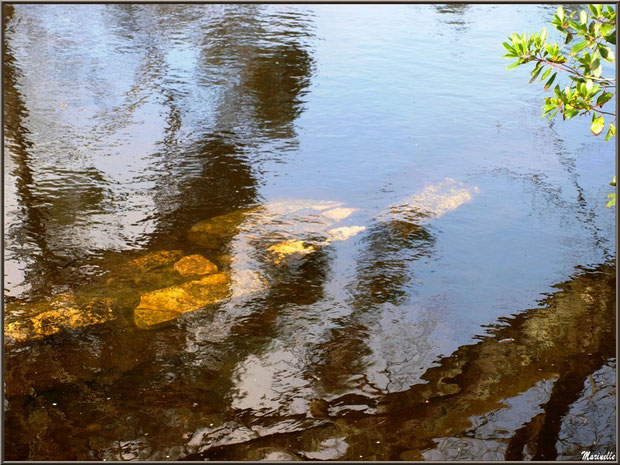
<point x="125" y="125"/>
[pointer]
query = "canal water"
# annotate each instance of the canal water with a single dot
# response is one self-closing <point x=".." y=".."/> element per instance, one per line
<point x="416" y="265"/>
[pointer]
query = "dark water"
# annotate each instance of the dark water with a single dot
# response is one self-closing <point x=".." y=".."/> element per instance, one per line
<point x="125" y="125"/>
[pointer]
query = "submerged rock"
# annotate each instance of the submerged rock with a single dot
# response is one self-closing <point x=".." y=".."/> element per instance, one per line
<point x="270" y="454"/>
<point x="340" y="213"/>
<point x="154" y="260"/>
<point x="167" y="304"/>
<point x="284" y="249"/>
<point x="318" y="408"/>
<point x="215" y="232"/>
<point x="195" y="265"/>
<point x="343" y="233"/>
<point x="432" y="202"/>
<point x="61" y="313"/>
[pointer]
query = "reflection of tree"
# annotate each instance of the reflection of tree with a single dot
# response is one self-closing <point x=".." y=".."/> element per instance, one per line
<point x="541" y="433"/>
<point x="547" y="343"/>
<point x="277" y="80"/>
<point x="211" y="172"/>
<point x="259" y="79"/>
<point x="33" y="218"/>
<point x="455" y="13"/>
<point x="383" y="272"/>
<point x="565" y="340"/>
<point x="205" y="162"/>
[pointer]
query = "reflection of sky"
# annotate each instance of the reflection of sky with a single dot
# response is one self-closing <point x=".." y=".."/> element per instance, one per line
<point x="423" y="97"/>
<point x="387" y="113"/>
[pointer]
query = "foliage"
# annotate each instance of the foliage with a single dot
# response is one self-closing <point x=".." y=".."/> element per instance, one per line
<point x="593" y="35"/>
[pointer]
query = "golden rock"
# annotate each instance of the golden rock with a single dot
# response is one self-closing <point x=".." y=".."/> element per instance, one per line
<point x="167" y="304"/>
<point x="62" y="313"/>
<point x="158" y="259"/>
<point x="195" y="265"/>
<point x="432" y="202"/>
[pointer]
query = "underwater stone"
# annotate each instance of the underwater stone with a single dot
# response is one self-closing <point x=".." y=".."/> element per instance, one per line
<point x="282" y="250"/>
<point x="157" y="259"/>
<point x="167" y="304"/>
<point x="215" y="232"/>
<point x="344" y="233"/>
<point x="62" y="312"/>
<point x="195" y="265"/>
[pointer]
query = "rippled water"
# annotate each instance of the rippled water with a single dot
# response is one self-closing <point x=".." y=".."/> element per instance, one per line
<point x="454" y="294"/>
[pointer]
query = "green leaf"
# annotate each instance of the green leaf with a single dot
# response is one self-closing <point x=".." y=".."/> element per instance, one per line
<point x="606" y="29"/>
<point x="514" y="65"/>
<point x="593" y="9"/>
<point x="560" y="12"/>
<point x="607" y="53"/>
<point x="583" y="16"/>
<point x="589" y="85"/>
<point x="597" y="69"/>
<point x="550" y="49"/>
<point x="509" y="48"/>
<point x="578" y="47"/>
<point x="552" y="114"/>
<point x="611" y="38"/>
<point x="610" y="133"/>
<point x="570" y="113"/>
<point x="550" y="81"/>
<point x="535" y="73"/>
<point x="569" y="37"/>
<point x="581" y="88"/>
<point x="599" y="9"/>
<point x="604" y="98"/>
<point x="543" y="34"/>
<point x="575" y="25"/>
<point x="612" y="200"/>
<point x="545" y="74"/>
<point x="597" y="125"/>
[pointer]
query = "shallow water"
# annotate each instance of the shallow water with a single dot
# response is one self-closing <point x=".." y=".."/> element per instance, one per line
<point x="451" y="294"/>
